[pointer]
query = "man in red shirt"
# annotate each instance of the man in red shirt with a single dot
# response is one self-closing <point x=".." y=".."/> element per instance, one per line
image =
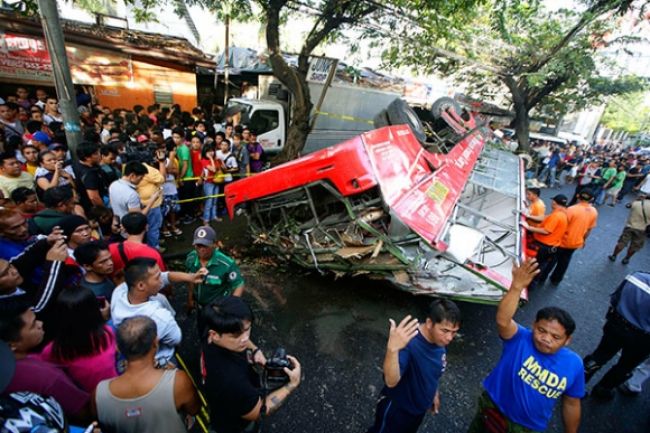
<point x="582" y="219"/>
<point x="135" y="226"/>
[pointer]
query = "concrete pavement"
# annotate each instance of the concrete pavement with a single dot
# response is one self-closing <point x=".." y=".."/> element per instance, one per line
<point x="338" y="329"/>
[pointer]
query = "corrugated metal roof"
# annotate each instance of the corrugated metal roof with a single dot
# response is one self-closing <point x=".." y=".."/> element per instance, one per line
<point x="143" y="46"/>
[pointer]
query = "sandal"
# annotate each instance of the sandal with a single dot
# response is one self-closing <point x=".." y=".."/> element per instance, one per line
<point x="177" y="231"/>
<point x="166" y="233"/>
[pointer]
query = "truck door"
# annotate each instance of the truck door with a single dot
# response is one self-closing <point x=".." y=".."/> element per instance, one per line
<point x="269" y="125"/>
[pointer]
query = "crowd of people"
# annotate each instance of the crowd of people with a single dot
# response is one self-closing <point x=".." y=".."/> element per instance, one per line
<point x="177" y="163"/>
<point x="610" y="172"/>
<point x="85" y="323"/>
<point x="599" y="174"/>
<point x="87" y="331"/>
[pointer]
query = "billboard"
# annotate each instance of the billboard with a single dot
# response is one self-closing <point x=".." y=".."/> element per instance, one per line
<point x="25" y="57"/>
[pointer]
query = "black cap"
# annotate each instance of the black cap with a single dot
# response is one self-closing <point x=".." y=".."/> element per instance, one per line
<point x="560" y="199"/>
<point x="586" y="194"/>
<point x="70" y="223"/>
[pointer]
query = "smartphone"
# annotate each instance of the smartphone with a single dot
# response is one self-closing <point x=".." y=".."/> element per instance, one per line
<point x="101" y="301"/>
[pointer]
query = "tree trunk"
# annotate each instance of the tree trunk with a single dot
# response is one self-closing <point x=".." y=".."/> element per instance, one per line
<point x="521" y="125"/>
<point x="521" y="122"/>
<point x="298" y="131"/>
<point x="295" y="81"/>
<point x="301" y="109"/>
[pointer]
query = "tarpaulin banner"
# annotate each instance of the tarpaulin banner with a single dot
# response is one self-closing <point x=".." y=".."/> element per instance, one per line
<point x="26" y="57"/>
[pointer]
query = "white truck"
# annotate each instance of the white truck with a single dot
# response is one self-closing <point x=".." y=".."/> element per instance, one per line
<point x="346" y="111"/>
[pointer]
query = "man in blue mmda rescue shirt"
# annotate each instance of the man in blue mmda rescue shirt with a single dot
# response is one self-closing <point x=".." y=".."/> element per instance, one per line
<point x="536" y="368"/>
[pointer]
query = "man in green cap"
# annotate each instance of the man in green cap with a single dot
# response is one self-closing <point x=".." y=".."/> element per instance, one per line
<point x="223" y="277"/>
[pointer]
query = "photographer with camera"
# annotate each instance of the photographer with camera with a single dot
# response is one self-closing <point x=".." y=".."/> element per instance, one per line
<point x="233" y="388"/>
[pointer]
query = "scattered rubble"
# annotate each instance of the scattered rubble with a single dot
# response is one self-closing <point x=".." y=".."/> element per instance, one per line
<point x="434" y="218"/>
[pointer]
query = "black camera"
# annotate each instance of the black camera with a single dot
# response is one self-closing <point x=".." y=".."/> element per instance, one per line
<point x="141" y="152"/>
<point x="275" y="367"/>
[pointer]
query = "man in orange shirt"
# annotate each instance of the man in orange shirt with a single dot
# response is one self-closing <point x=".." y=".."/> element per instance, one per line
<point x="582" y="218"/>
<point x="548" y="237"/>
<point x="536" y="207"/>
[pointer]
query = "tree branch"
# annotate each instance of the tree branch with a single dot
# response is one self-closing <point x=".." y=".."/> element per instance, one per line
<point x="332" y="17"/>
<point x="281" y="70"/>
<point x="535" y="97"/>
<point x="515" y="90"/>
<point x="594" y="12"/>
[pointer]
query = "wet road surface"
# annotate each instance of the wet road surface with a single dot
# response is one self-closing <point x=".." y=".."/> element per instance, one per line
<point x="337" y="328"/>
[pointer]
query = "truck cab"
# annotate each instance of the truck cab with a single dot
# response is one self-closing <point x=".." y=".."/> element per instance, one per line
<point x="267" y="118"/>
<point x="345" y="112"/>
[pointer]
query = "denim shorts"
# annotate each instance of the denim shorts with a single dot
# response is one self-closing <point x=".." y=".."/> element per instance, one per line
<point x="170" y="204"/>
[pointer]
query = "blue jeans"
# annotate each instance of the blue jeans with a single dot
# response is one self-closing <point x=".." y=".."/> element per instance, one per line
<point x="548" y="176"/>
<point x="390" y="418"/>
<point x="600" y="196"/>
<point x="210" y="204"/>
<point x="154" y="223"/>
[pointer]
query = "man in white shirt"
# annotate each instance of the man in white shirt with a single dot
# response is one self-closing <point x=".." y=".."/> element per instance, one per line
<point x="107" y="125"/>
<point x="228" y="160"/>
<point x="52" y="111"/>
<point x="138" y="296"/>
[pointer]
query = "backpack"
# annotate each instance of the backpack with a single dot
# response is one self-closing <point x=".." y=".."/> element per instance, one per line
<point x="645" y="218"/>
<point x="29" y="412"/>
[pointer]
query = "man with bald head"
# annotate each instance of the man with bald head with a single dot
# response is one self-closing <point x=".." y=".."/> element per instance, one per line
<point x="144" y="398"/>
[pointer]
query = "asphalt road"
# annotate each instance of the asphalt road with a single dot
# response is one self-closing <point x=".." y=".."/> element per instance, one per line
<point x="338" y="329"/>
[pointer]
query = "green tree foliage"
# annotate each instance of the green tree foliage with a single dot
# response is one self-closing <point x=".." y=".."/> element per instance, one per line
<point x="629" y="112"/>
<point x="330" y="19"/>
<point x="544" y="60"/>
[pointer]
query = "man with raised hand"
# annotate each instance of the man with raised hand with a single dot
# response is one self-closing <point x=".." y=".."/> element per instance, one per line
<point x="535" y="368"/>
<point x="416" y="357"/>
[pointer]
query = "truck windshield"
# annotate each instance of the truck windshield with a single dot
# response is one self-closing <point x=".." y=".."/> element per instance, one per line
<point x="239" y="107"/>
<point x="263" y="121"/>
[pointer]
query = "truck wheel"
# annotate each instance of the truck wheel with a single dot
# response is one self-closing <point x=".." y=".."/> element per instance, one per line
<point x="444" y="104"/>
<point x="381" y="119"/>
<point x="400" y="113"/>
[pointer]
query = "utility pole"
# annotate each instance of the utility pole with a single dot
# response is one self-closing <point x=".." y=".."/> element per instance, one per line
<point x="61" y="71"/>
<point x="226" y="64"/>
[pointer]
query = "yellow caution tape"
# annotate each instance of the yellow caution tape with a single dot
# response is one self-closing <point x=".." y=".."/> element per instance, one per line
<point x="181" y="362"/>
<point x="202" y="178"/>
<point x="345" y="117"/>
<point x="187" y="200"/>
<point x="206" y="196"/>
<point x="203" y="417"/>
